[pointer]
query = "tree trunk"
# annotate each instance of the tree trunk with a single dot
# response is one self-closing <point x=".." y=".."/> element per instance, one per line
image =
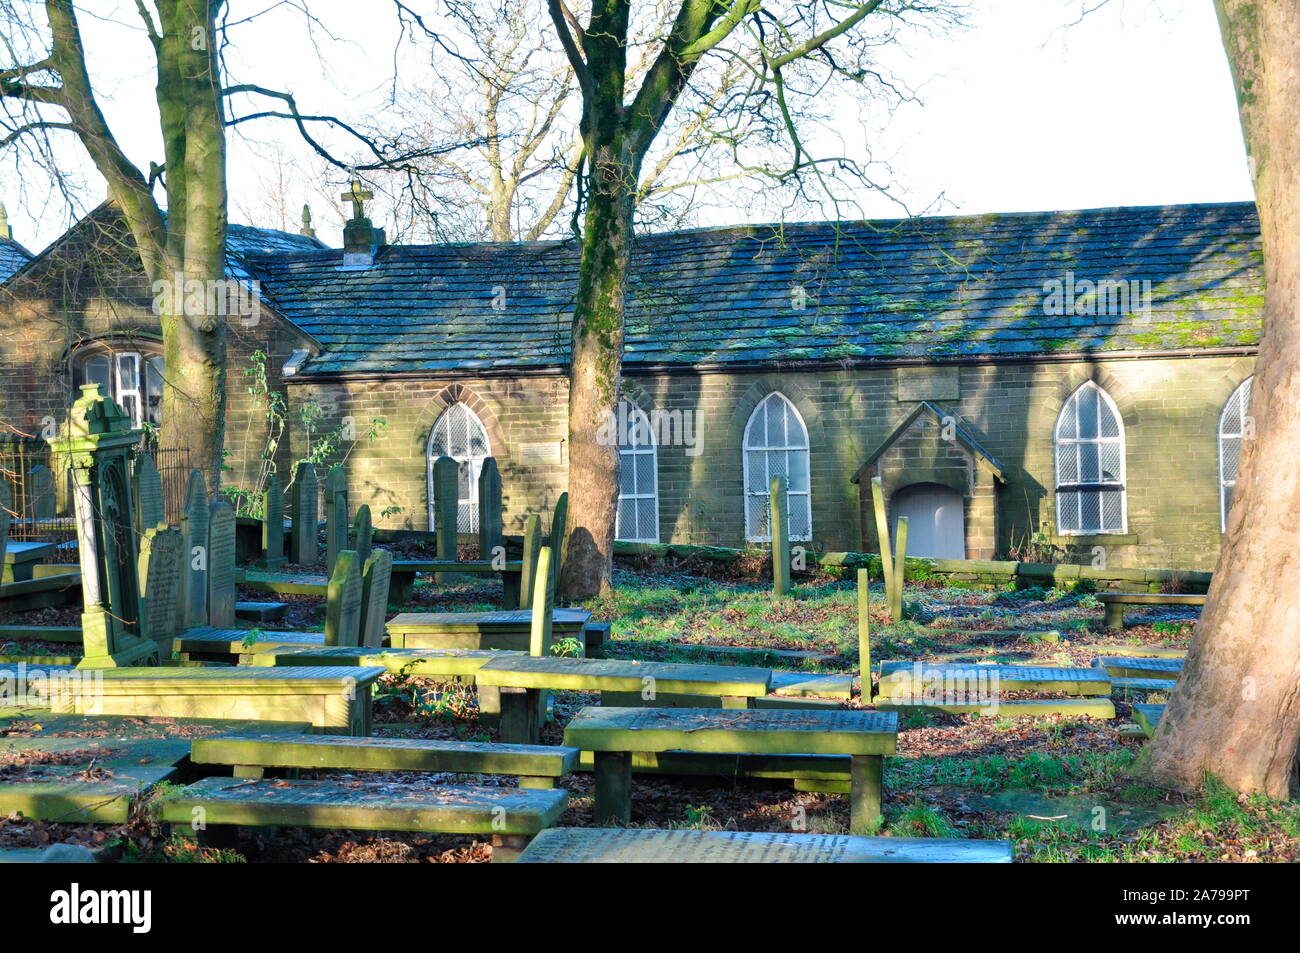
<point x="1235" y="712"/>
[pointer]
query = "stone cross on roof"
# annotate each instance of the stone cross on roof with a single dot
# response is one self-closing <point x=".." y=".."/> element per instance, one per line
<point x="358" y="197"/>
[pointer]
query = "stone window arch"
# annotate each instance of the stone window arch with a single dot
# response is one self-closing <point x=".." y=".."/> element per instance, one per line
<point x="129" y="373"/>
<point x="1235" y="427"/>
<point x="1089" y="445"/>
<point x="459" y="433"/>
<point x="776" y="444"/>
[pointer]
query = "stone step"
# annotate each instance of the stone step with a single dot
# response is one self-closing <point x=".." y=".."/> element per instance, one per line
<point x="384" y="754"/>
<point x="1131" y="667"/>
<point x="1148" y="717"/>
<point x="906" y="678"/>
<point x="1093" y="707"/>
<point x="446" y="809"/>
<point x="566" y="845"/>
<point x="261" y="611"/>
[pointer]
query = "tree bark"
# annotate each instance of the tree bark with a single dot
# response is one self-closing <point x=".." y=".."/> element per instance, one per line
<point x="1235" y="712"/>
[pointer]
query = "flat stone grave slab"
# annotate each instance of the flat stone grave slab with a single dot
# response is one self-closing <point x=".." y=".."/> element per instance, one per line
<point x="1148" y="718"/>
<point x="821" y="685"/>
<point x="233" y="642"/>
<point x="508" y="630"/>
<point x="1079" y="810"/>
<point x="907" y="678"/>
<point x="261" y="611"/>
<point x="444" y="809"/>
<point x="581" y="845"/>
<point x="1090" y="707"/>
<point x="1130" y="667"/>
<point x="40" y="633"/>
<point x="422" y="662"/>
<point x="385" y="754"/>
<point x="42" y="591"/>
<point x="1134" y="651"/>
<point x="613" y="734"/>
<point x="1126" y="685"/>
<point x="20" y="556"/>
<point x="335" y="700"/>
<point x="624" y="675"/>
<point x="795" y="767"/>
<point x="283" y="583"/>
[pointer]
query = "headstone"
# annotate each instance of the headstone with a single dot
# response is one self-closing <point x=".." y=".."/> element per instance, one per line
<point x="446" y="508"/>
<point x="882" y="534"/>
<point x="273" y="523"/>
<point x="99" y="441"/>
<point x="491" y="530"/>
<point x="900" y="571"/>
<point x="305" y="515"/>
<point x="343" y="601"/>
<point x="162" y="562"/>
<point x="194" y="528"/>
<point x="375" y="578"/>
<point x="221" y="565"/>
<point x="864" y="632"/>
<point x="363" y="534"/>
<point x="779" y="527"/>
<point x="539" y="642"/>
<point x="40" y="493"/>
<point x="6" y="505"/>
<point x="336" y="515"/>
<point x="532" y="545"/>
<point x="559" y="526"/>
<point x="146" y="489"/>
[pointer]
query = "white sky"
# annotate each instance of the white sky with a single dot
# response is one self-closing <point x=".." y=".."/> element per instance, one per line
<point x="1132" y="106"/>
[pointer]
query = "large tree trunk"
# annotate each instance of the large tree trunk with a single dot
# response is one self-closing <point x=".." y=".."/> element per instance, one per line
<point x="1235" y="712"/>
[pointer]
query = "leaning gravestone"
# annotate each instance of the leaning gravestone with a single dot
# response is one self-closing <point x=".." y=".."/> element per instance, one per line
<point x="273" y="524"/>
<point x="305" y="515"/>
<point x="162" y="563"/>
<point x="40" y="493"/>
<point x="194" y="528"/>
<point x="343" y="601"/>
<point x="491" y="531"/>
<point x="559" y="525"/>
<point x="147" y="491"/>
<point x="376" y="577"/>
<point x="363" y="534"/>
<point x="446" y="509"/>
<point x="98" y="441"/>
<point x="221" y="565"/>
<point x="336" y="515"/>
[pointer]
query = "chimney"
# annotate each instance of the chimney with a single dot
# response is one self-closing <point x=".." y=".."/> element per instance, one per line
<point x="307" y="231"/>
<point x="360" y="237"/>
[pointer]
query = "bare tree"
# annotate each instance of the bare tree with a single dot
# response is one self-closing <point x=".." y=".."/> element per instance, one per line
<point x="1235" y="712"/>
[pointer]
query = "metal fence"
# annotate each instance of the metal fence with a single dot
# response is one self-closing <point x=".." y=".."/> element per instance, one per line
<point x="40" y="507"/>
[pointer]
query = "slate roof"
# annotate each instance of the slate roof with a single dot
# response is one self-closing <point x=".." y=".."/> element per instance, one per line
<point x="12" y="257"/>
<point x="922" y="288"/>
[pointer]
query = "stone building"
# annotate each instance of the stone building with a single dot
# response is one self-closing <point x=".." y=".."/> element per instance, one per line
<point x="1057" y="384"/>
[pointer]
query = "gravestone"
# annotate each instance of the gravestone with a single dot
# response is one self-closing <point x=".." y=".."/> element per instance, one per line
<point x="40" y="493"/>
<point x="6" y="505"/>
<point x="194" y="529"/>
<point x="446" y="509"/>
<point x="343" y="601"/>
<point x="363" y="534"/>
<point x="532" y="545"/>
<point x="221" y="565"/>
<point x="559" y="526"/>
<point x="147" y="491"/>
<point x="336" y="515"/>
<point x="864" y="632"/>
<point x="882" y="535"/>
<point x="543" y="604"/>
<point x="162" y="563"/>
<point x="98" y="442"/>
<point x="273" y="523"/>
<point x="376" y="576"/>
<point x="305" y="515"/>
<point x="900" y="571"/>
<point x="779" y="527"/>
<point x="491" y="530"/>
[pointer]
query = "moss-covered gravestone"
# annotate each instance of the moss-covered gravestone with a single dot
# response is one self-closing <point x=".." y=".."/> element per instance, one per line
<point x="336" y="515"/>
<point x="491" y="531"/>
<point x="40" y="493"/>
<point x="273" y="523"/>
<point x="194" y="529"/>
<point x="376" y="577"/>
<point x="555" y="540"/>
<point x="779" y="527"/>
<point x="98" y="444"/>
<point x="221" y="565"/>
<point x="147" y="492"/>
<point x="446" y="509"/>
<point x="363" y="533"/>
<point x="162" y="568"/>
<point x="305" y="515"/>
<point x="343" y="601"/>
<point x="532" y="546"/>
